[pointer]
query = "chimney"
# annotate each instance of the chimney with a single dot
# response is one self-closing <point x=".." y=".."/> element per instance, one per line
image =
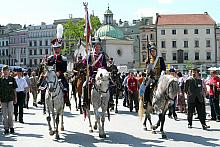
<point x="206" y="13"/>
<point x="43" y="23"/>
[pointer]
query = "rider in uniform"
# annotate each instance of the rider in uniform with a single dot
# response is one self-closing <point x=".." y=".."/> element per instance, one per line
<point x="113" y="83"/>
<point x="60" y="62"/>
<point x="155" y="68"/>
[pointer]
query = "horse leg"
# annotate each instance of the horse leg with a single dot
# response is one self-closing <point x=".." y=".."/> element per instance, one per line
<point x="89" y="117"/>
<point x="157" y="124"/>
<point x="80" y="106"/>
<point x="102" y="133"/>
<point x="116" y="103"/>
<point x="145" y="121"/>
<point x="57" y="125"/>
<point x="48" y="121"/>
<point x="164" y="136"/>
<point x="62" y="124"/>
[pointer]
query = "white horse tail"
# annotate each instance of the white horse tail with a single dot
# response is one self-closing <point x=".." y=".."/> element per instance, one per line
<point x="141" y="110"/>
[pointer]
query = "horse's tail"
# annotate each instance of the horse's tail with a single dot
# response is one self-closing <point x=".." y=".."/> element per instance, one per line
<point x="141" y="107"/>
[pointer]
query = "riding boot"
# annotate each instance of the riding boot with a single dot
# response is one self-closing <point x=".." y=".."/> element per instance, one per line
<point x="66" y="99"/>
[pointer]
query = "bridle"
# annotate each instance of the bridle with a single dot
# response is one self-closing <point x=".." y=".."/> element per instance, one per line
<point x="97" y="88"/>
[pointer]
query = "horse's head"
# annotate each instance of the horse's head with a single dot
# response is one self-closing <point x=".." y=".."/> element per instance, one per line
<point x="102" y="79"/>
<point x="173" y="88"/>
<point x="51" y="78"/>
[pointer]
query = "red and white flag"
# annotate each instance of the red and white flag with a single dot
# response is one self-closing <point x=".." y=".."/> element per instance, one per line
<point x="88" y="27"/>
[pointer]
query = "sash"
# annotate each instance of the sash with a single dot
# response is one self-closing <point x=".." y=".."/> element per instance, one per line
<point x="99" y="57"/>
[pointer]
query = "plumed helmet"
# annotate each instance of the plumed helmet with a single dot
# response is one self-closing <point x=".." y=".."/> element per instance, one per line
<point x="58" y="42"/>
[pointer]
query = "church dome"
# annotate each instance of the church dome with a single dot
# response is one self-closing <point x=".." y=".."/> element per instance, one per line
<point x="108" y="11"/>
<point x="109" y="31"/>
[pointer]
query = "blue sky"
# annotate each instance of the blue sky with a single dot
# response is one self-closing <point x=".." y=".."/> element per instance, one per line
<point x="37" y="11"/>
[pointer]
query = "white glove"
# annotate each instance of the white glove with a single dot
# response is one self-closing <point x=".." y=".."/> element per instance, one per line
<point x="162" y="73"/>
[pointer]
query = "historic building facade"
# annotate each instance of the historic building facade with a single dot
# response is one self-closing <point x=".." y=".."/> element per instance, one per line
<point x="38" y="42"/>
<point x="187" y="39"/>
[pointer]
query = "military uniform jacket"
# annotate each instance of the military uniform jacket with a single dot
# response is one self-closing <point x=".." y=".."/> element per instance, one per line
<point x="60" y="61"/>
<point x="193" y="88"/>
<point x="159" y="66"/>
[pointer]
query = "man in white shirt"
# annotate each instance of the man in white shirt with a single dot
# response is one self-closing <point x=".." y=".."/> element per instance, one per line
<point x="22" y="85"/>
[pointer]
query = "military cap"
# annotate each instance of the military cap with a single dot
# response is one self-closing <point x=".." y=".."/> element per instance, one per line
<point x="195" y="69"/>
<point x="172" y="69"/>
<point x="152" y="47"/>
<point x="5" y="67"/>
<point x="18" y="69"/>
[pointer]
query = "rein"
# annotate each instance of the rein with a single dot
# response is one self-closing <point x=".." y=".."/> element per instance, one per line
<point x="98" y="89"/>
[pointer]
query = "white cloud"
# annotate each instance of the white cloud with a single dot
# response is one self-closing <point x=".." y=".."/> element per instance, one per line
<point x="165" y="1"/>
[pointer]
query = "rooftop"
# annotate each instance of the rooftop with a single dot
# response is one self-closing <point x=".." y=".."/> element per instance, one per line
<point x="185" y="19"/>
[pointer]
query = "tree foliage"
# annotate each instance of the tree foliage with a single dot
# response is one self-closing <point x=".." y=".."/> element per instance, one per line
<point x="73" y="31"/>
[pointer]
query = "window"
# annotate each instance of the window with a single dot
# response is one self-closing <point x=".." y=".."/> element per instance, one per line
<point x="207" y="31"/>
<point x="185" y="56"/>
<point x="35" y="43"/>
<point x="163" y="44"/>
<point x="6" y="43"/>
<point x="3" y="43"/>
<point x="196" y="31"/>
<point x="208" y="43"/>
<point x="196" y="55"/>
<point x="174" y="56"/>
<point x="40" y="42"/>
<point x="46" y="42"/>
<point x="164" y="56"/>
<point x="21" y="50"/>
<point x="151" y="37"/>
<point x="35" y="52"/>
<point x="46" y="51"/>
<point x="30" y="43"/>
<point x="35" y="61"/>
<point x="40" y="60"/>
<point x="24" y="61"/>
<point x="208" y="55"/>
<point x="174" y="32"/>
<point x="174" y="44"/>
<point x="196" y="43"/>
<point x="41" y="52"/>
<point x="185" y="31"/>
<point x="6" y="52"/>
<point x="30" y="62"/>
<point x="30" y="52"/>
<point x="144" y="56"/>
<point x="162" y="32"/>
<point x="24" y="50"/>
<point x="3" y="52"/>
<point x="186" y="45"/>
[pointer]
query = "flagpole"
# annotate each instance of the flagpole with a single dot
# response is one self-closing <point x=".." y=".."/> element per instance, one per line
<point x="87" y="46"/>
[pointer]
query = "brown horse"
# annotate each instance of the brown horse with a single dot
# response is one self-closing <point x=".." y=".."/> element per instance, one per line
<point x="79" y="85"/>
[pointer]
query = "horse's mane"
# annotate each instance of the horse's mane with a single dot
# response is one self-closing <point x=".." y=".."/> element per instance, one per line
<point x="164" y="82"/>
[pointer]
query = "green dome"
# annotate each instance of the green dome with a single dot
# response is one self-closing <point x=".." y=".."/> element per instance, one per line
<point x="109" y="31"/>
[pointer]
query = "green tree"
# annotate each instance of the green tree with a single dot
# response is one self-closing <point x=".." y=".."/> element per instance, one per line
<point x="189" y="65"/>
<point x="73" y="31"/>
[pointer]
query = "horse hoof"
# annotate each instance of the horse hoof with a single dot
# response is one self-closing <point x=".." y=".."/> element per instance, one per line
<point x="154" y="127"/>
<point x="154" y="132"/>
<point x="57" y="137"/>
<point x="102" y="136"/>
<point x="116" y="111"/>
<point x="51" y="133"/>
<point x="95" y="127"/>
<point x="145" y="128"/>
<point x="62" y="129"/>
<point x="90" y="131"/>
<point x="164" y="136"/>
<point x="144" y="124"/>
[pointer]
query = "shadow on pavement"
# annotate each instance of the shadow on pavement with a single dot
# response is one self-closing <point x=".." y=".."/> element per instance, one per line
<point x="202" y="141"/>
<point x="128" y="112"/>
<point x="112" y="138"/>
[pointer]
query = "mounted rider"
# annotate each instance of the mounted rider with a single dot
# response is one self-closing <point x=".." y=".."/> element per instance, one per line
<point x="155" y="68"/>
<point x="60" y="63"/>
<point x="114" y="80"/>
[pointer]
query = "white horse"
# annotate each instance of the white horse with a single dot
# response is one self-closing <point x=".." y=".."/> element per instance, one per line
<point x="54" y="101"/>
<point x="165" y="93"/>
<point x="100" y="99"/>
